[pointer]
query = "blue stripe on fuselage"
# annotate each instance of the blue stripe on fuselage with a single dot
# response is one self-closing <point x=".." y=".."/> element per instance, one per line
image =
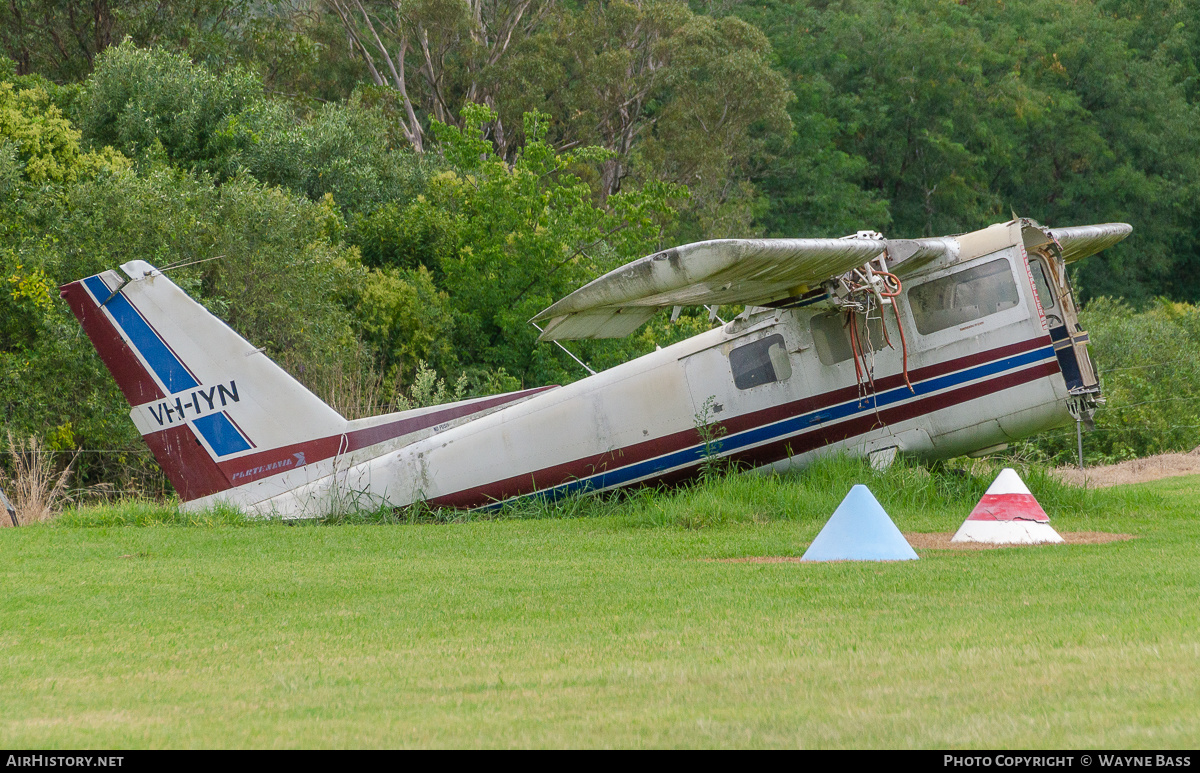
<point x="785" y="427"/>
<point x="166" y="366"/>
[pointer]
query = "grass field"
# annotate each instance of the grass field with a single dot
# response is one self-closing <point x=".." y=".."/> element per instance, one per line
<point x="608" y="626"/>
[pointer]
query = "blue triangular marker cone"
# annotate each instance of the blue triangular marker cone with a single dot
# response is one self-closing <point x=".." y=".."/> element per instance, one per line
<point x="859" y="530"/>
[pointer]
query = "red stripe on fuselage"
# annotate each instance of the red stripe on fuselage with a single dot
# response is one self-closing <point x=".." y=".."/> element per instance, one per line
<point x="775" y="450"/>
<point x="835" y="433"/>
<point x="933" y="371"/>
<point x="252" y="467"/>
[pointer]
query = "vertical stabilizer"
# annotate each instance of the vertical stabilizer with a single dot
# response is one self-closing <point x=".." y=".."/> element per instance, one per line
<point x="207" y="402"/>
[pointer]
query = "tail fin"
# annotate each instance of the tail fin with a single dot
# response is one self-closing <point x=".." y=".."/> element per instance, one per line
<point x="207" y="402"/>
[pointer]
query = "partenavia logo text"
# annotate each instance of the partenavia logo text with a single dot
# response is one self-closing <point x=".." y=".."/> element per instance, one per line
<point x="184" y="406"/>
<point x="297" y="460"/>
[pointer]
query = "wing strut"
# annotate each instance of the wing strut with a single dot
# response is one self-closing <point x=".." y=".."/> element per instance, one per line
<point x="582" y="364"/>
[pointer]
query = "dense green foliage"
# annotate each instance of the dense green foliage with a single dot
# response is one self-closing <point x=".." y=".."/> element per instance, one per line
<point x="414" y="181"/>
<point x="1149" y="366"/>
<point x="957" y="113"/>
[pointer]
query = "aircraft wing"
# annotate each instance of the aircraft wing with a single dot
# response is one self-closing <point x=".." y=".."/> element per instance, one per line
<point x="1083" y="240"/>
<point x="724" y="271"/>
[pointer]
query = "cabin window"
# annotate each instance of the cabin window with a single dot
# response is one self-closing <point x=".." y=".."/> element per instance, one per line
<point x="963" y="297"/>
<point x="831" y="335"/>
<point x="763" y="362"/>
<point x="1041" y="283"/>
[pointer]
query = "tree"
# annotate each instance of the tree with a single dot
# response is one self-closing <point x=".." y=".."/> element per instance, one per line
<point x="58" y="38"/>
<point x="62" y="39"/>
<point x="504" y="241"/>
<point x="147" y="103"/>
<point x="44" y="141"/>
<point x="438" y="54"/>
<point x="958" y="114"/>
<point x="158" y="106"/>
<point x="722" y="119"/>
<point x="673" y="95"/>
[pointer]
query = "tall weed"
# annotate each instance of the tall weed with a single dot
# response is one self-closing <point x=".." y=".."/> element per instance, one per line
<point x="907" y="487"/>
<point x="36" y="488"/>
<point x="146" y="513"/>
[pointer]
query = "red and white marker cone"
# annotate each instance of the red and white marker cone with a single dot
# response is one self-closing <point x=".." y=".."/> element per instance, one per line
<point x="1007" y="515"/>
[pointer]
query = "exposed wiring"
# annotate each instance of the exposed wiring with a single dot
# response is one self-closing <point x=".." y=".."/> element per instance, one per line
<point x="899" y="324"/>
<point x="903" y="348"/>
<point x="884" y="286"/>
<point x="854" y="352"/>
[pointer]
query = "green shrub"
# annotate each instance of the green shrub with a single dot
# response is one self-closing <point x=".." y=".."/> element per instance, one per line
<point x="1149" y="367"/>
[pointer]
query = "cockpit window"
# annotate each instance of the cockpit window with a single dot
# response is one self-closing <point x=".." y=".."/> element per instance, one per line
<point x="763" y="362"/>
<point x="963" y="297"/>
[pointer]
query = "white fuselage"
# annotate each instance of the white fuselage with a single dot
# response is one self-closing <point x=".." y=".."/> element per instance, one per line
<point x="778" y="382"/>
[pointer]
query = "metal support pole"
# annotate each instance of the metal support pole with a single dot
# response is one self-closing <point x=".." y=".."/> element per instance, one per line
<point x="12" y="513"/>
<point x="1079" y="439"/>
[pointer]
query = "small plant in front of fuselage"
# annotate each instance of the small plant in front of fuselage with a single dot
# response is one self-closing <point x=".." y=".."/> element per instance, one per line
<point x="711" y="433"/>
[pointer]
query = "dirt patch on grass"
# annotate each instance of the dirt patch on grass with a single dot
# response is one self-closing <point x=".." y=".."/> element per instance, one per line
<point x="941" y="540"/>
<point x="1133" y="471"/>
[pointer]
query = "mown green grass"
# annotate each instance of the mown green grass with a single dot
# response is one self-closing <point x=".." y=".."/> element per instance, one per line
<point x="605" y="623"/>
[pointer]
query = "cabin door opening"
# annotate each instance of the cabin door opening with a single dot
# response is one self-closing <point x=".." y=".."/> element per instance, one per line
<point x="1070" y="339"/>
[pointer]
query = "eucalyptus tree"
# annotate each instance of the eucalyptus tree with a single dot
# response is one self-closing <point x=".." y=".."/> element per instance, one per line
<point x="673" y="94"/>
<point x="61" y="39"/>
<point x="438" y="54"/>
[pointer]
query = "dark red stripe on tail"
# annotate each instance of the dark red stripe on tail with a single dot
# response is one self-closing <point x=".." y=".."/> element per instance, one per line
<point x="187" y="464"/>
<point x="131" y="376"/>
